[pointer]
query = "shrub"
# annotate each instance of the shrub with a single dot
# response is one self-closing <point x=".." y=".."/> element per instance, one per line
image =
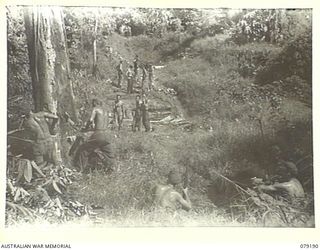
<point x="294" y="59"/>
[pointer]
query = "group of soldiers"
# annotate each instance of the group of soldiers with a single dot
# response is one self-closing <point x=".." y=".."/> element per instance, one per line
<point x="42" y="129"/>
<point x="41" y="126"/>
<point x="132" y="74"/>
<point x="140" y="113"/>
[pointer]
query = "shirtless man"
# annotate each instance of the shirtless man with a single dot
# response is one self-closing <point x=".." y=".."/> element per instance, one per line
<point x="97" y="142"/>
<point x="40" y="129"/>
<point x="288" y="186"/>
<point x="167" y="197"/>
<point x="118" y="112"/>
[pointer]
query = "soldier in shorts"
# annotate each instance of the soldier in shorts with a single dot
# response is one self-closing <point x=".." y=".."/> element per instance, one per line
<point x="118" y="112"/>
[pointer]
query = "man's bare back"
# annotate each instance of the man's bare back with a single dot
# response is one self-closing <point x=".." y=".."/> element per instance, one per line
<point x="167" y="197"/>
<point x="38" y="125"/>
<point x="98" y="118"/>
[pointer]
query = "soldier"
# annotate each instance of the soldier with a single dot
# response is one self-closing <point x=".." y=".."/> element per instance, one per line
<point x="120" y="73"/>
<point x="150" y="75"/>
<point x="130" y="80"/>
<point x="137" y="115"/>
<point x="135" y="66"/>
<point x="167" y="197"/>
<point x="144" y="75"/>
<point x="145" y="113"/>
<point x="109" y="51"/>
<point x="287" y="185"/>
<point x="97" y="142"/>
<point x="118" y="112"/>
<point x="39" y="126"/>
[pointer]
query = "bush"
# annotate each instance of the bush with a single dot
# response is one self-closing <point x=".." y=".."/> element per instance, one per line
<point x="294" y="59"/>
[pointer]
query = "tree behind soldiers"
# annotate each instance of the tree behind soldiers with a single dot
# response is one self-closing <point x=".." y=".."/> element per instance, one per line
<point x="130" y="80"/>
<point x="120" y="73"/>
<point x="40" y="129"/>
<point x="137" y="115"/>
<point x="145" y="113"/>
<point x="118" y="112"/>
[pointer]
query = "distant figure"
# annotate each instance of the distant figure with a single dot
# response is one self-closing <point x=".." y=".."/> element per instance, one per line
<point x="130" y="80"/>
<point x="126" y="30"/>
<point x="135" y="66"/>
<point x="150" y="76"/>
<point x="167" y="197"/>
<point x="120" y="73"/>
<point x="287" y="185"/>
<point x="109" y="51"/>
<point x="40" y="129"/>
<point x="118" y="112"/>
<point x="97" y="142"/>
<point x="145" y="113"/>
<point x="143" y="75"/>
<point x="137" y="115"/>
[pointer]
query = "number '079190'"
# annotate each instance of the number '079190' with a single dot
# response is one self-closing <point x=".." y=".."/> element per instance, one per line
<point x="313" y="246"/>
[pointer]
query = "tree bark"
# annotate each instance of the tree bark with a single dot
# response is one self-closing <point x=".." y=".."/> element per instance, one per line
<point x="49" y="63"/>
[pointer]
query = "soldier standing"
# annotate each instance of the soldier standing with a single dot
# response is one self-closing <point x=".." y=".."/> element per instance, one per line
<point x="137" y="115"/>
<point x="118" y="112"/>
<point x="144" y="75"/>
<point x="120" y="73"/>
<point x="145" y="113"/>
<point x="130" y="80"/>
<point x="135" y="66"/>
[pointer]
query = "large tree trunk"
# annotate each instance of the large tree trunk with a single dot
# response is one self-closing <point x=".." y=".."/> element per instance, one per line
<point x="49" y="63"/>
